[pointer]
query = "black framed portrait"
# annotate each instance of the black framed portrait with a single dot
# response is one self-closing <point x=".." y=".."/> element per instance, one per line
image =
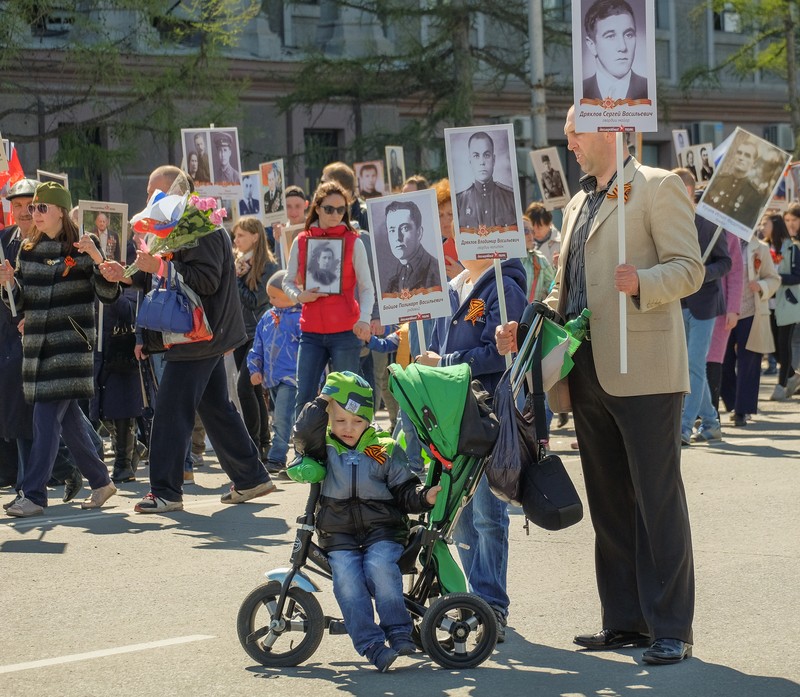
<point x="323" y="272"/>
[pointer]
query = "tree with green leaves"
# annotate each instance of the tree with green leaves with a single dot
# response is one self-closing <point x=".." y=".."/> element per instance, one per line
<point x="431" y="60"/>
<point x="770" y="29"/>
<point x="90" y="73"/>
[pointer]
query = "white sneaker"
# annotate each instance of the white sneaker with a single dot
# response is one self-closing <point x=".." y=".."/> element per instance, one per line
<point x="792" y="384"/>
<point x="778" y="394"/>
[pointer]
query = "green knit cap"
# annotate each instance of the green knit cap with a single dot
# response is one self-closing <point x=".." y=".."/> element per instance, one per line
<point x="51" y="192"/>
<point x="352" y="392"/>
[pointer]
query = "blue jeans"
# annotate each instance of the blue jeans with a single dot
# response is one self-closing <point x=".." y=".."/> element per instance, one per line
<point x="359" y="576"/>
<point x="483" y="526"/>
<point x="342" y="349"/>
<point x="51" y="422"/>
<point x="283" y="398"/>
<point x="698" y="401"/>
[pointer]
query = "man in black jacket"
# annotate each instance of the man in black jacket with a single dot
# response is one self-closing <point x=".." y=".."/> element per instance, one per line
<point x="194" y="377"/>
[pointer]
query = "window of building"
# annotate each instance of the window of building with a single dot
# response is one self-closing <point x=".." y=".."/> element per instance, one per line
<point x="662" y="14"/>
<point x="728" y="20"/>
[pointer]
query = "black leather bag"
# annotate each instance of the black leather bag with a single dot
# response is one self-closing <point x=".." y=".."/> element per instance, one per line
<point x="549" y="498"/>
<point x="119" y="357"/>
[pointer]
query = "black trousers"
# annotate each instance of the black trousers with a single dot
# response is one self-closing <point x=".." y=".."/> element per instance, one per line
<point x="199" y="386"/>
<point x="630" y="453"/>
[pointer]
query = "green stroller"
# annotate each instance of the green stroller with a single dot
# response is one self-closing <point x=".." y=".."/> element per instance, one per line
<point x="281" y="623"/>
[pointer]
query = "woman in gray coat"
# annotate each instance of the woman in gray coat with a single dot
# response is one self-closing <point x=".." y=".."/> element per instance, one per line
<point x="54" y="285"/>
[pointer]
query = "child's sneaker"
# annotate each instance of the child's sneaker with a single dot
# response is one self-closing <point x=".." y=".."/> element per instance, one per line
<point x="403" y="644"/>
<point x="381" y="656"/>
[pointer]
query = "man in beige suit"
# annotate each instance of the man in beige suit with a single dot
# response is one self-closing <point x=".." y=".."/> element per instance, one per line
<point x="628" y="425"/>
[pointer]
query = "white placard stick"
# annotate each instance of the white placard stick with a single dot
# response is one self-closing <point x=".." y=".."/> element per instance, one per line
<point x="501" y="298"/>
<point x="421" y="337"/>
<point x="711" y="244"/>
<point x="623" y="312"/>
<point x="9" y="287"/>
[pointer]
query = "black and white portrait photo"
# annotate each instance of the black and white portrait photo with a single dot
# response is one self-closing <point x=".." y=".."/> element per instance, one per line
<point x="273" y="191"/>
<point x="484" y="185"/>
<point x="370" y="178"/>
<point x="550" y="177"/>
<point x="211" y="157"/>
<point x="196" y="155"/>
<point x="324" y="265"/>
<point x="408" y="256"/>
<point x="614" y="64"/>
<point x="250" y="203"/>
<point x="680" y="141"/>
<point x="743" y="184"/>
<point x="396" y="167"/>
<point x="226" y="158"/>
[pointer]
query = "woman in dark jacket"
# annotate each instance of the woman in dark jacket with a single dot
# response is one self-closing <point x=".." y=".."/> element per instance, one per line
<point x="56" y="290"/>
<point x="255" y="264"/>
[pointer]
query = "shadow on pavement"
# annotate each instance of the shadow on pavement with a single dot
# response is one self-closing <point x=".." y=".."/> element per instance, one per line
<point x="521" y="668"/>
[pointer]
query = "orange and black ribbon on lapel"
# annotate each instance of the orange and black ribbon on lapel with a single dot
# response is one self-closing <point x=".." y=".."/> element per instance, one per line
<point x="377" y="453"/>
<point x="613" y="193"/>
<point x="476" y="310"/>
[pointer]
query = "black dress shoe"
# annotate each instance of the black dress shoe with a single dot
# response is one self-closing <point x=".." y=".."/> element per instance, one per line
<point x="610" y="639"/>
<point x="72" y="485"/>
<point x="664" y="651"/>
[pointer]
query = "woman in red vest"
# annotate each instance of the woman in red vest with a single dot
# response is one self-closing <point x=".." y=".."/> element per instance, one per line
<point x="328" y="273"/>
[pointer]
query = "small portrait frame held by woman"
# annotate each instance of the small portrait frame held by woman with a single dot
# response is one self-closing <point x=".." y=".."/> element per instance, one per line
<point x="324" y="265"/>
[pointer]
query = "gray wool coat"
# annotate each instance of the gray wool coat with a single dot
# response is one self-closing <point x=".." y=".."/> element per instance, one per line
<point x="60" y="336"/>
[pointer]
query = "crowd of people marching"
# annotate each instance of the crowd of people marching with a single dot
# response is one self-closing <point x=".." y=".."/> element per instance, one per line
<point x="285" y="336"/>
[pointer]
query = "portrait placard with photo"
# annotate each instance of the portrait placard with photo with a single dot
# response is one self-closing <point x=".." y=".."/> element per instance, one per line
<point x="408" y="256"/>
<point x="213" y="161"/>
<point x="370" y="179"/>
<point x="550" y="177"/>
<point x="396" y="167"/>
<point x="61" y="178"/>
<point x="680" y="141"/>
<point x="250" y="202"/>
<point x="484" y="188"/>
<point x="743" y="183"/>
<point x="273" y="191"/>
<point x="323" y="272"/>
<point x="109" y="222"/>
<point x="614" y="66"/>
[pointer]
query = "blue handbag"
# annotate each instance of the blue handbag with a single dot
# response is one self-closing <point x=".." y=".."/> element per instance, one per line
<point x="166" y="308"/>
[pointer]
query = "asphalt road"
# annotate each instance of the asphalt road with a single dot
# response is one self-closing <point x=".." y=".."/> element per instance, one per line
<point x="114" y="603"/>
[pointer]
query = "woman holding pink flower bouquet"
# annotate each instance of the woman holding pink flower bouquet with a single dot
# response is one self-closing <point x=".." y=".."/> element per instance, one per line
<point x="194" y="378"/>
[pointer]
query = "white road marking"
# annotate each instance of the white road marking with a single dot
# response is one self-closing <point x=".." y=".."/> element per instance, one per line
<point x="14" y="667"/>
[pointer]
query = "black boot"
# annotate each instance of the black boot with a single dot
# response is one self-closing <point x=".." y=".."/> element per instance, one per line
<point x="124" y="442"/>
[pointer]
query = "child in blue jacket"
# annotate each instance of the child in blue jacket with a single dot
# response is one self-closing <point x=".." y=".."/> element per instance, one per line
<point x="272" y="362"/>
<point x="361" y="521"/>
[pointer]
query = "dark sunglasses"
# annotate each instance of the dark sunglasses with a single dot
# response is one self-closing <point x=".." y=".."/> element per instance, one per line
<point x="41" y="207"/>
<point x="330" y="210"/>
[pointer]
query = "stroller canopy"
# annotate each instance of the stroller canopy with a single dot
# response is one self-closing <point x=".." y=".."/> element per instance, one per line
<point x="448" y="409"/>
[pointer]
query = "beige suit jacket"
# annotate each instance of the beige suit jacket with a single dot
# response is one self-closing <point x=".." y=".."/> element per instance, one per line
<point x="661" y="242"/>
